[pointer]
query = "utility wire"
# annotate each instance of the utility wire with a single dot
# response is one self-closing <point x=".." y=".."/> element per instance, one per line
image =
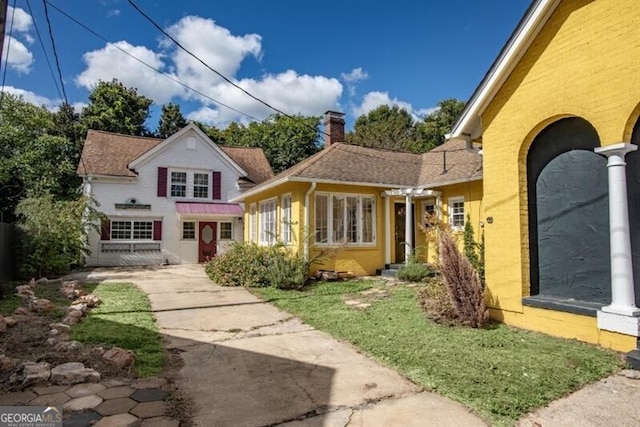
<point x="6" y="58"/>
<point x="55" y="52"/>
<point x="168" y="76"/>
<point x="53" y="76"/>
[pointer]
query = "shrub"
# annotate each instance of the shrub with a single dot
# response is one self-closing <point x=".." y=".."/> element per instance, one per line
<point x="463" y="283"/>
<point x="287" y="270"/>
<point x="436" y="302"/>
<point x="414" y="272"/>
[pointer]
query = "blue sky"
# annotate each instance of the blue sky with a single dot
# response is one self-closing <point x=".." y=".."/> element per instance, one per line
<point x="300" y="56"/>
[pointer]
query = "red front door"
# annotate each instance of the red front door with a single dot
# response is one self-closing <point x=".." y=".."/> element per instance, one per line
<point x="207" y="238"/>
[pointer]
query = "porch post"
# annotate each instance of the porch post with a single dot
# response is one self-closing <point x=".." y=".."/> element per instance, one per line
<point x="408" y="228"/>
<point x="387" y="230"/>
<point x="621" y="315"/>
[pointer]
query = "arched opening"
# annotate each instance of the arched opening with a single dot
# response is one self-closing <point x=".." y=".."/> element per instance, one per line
<point x="568" y="206"/>
<point x="633" y="195"/>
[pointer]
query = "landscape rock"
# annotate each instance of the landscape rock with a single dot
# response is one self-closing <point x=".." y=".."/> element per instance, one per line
<point x="52" y="341"/>
<point x="69" y="290"/>
<point x="41" y="281"/>
<point x="10" y="321"/>
<point x="32" y="283"/>
<point x="21" y="311"/>
<point x="6" y="363"/>
<point x="24" y="290"/>
<point x="89" y="300"/>
<point x="73" y="373"/>
<point x="60" y="327"/>
<point x="119" y="357"/>
<point x="70" y="320"/>
<point x="41" y="305"/>
<point x="3" y="325"/>
<point x="81" y="307"/>
<point x="67" y="346"/>
<point x="34" y="373"/>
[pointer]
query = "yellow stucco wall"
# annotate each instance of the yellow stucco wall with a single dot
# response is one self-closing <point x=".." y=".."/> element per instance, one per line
<point x="583" y="63"/>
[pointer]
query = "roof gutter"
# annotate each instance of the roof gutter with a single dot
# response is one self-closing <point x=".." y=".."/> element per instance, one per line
<point x="307" y="220"/>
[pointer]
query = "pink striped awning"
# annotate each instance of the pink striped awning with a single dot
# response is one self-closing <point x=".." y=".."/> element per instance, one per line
<point x="229" y="209"/>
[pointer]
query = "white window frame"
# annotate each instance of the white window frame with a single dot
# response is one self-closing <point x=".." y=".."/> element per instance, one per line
<point x="195" y="231"/>
<point x="285" y="219"/>
<point x="181" y="184"/>
<point x="253" y="237"/>
<point x="268" y="218"/>
<point x="190" y="184"/>
<point x="230" y="230"/>
<point x="132" y="230"/>
<point x="206" y="186"/>
<point x="452" y="215"/>
<point x="333" y="225"/>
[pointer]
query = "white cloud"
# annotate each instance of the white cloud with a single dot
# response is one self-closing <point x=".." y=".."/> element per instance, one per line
<point x="22" y="21"/>
<point x="20" y="58"/>
<point x="110" y="62"/>
<point x="205" y="115"/>
<point x="355" y="75"/>
<point x="33" y="98"/>
<point x="373" y="100"/>
<point x="422" y="113"/>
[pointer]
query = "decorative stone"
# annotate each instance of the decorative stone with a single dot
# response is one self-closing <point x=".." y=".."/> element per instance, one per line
<point x="3" y="325"/>
<point x="116" y="393"/>
<point x="150" y="409"/>
<point x="80" y="390"/>
<point x="24" y="290"/>
<point x="70" y="320"/>
<point x="35" y="373"/>
<point x="50" y="389"/>
<point x="41" y="305"/>
<point x="89" y="300"/>
<point x="79" y="307"/>
<point x="21" y="311"/>
<point x="60" y="327"/>
<point x="82" y="419"/>
<point x="10" y="321"/>
<point x="144" y="383"/>
<point x="68" y="289"/>
<point x="41" y="281"/>
<point x="52" y="341"/>
<point x="120" y="420"/>
<point x="73" y="373"/>
<point x="116" y="406"/>
<point x="50" y="400"/>
<point x="160" y="422"/>
<point x="119" y="357"/>
<point x="114" y="382"/>
<point x="68" y="346"/>
<point x="149" y="395"/>
<point x="54" y="332"/>
<point x="82" y="403"/>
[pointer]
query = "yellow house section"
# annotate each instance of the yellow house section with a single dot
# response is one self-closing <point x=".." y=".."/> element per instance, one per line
<point x="583" y="63"/>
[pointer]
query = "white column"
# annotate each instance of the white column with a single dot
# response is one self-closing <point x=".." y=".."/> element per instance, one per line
<point x="387" y="230"/>
<point x="621" y="315"/>
<point x="408" y="229"/>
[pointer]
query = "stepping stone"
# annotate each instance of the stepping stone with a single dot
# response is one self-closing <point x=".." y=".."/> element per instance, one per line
<point x="80" y="390"/>
<point x="149" y="395"/>
<point x="160" y="422"/>
<point x="120" y="420"/>
<point x="82" y="419"/>
<point x="112" y="382"/>
<point x="50" y="389"/>
<point x="150" y="409"/>
<point x="82" y="403"/>
<point x="116" y="393"/>
<point x="55" y="399"/>
<point x="14" y="399"/>
<point x="144" y="383"/>
<point x="115" y="406"/>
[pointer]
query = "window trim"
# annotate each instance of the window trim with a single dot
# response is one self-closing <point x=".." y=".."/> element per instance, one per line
<point x="190" y="185"/>
<point x="253" y="229"/>
<point x="359" y="219"/>
<point x="286" y="228"/>
<point x="220" y="230"/>
<point x="195" y="234"/>
<point x="273" y="233"/>
<point x="450" y="202"/>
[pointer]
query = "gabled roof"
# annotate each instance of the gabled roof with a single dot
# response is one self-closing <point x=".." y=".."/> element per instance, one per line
<point x="110" y="154"/>
<point x="469" y="125"/>
<point x="355" y="165"/>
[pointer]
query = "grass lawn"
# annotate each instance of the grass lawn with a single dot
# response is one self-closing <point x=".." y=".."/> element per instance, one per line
<point x="499" y="372"/>
<point x="124" y="319"/>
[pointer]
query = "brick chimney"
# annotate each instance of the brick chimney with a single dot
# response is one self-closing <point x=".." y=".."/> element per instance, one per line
<point x="333" y="128"/>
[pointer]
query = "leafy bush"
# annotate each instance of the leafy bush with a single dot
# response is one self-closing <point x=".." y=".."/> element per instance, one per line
<point x="250" y="265"/>
<point x="463" y="283"/>
<point x="414" y="272"/>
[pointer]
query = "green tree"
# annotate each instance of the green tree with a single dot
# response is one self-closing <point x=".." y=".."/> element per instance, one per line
<point x="116" y="108"/>
<point x="384" y="127"/>
<point x="431" y="130"/>
<point x="171" y="120"/>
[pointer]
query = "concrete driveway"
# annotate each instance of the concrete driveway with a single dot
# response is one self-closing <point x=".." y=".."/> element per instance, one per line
<point x="247" y="363"/>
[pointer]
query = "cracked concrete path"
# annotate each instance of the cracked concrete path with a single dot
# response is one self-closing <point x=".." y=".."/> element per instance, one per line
<point x="247" y="363"/>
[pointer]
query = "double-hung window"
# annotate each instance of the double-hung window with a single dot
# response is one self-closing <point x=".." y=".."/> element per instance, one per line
<point x="345" y="219"/>
<point x="190" y="184"/>
<point x="456" y="212"/>
<point x="189" y="230"/>
<point x="201" y="185"/>
<point x="131" y="230"/>
<point x="178" y="184"/>
<point x="268" y="222"/>
<point x="226" y="231"/>
<point x="285" y="216"/>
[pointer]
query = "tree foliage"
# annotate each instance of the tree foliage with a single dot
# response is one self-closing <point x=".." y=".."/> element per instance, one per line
<point x="171" y="120"/>
<point x="384" y="127"/>
<point x="431" y="130"/>
<point x="114" y="107"/>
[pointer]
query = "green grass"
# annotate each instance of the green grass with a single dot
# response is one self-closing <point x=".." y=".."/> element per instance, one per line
<point x="499" y="372"/>
<point x="124" y="319"/>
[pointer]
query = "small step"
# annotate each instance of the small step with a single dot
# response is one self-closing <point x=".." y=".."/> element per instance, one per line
<point x="391" y="273"/>
<point x="395" y="266"/>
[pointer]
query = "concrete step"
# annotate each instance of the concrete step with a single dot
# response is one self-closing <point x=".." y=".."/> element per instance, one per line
<point x="391" y="273"/>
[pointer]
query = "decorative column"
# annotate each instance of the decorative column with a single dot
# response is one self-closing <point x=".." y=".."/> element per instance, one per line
<point x="408" y="227"/>
<point x="621" y="315"/>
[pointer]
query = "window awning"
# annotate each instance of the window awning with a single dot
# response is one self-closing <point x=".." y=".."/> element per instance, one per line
<point x="223" y="209"/>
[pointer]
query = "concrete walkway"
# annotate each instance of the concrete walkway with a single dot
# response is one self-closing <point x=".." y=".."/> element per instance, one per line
<point x="247" y="363"/>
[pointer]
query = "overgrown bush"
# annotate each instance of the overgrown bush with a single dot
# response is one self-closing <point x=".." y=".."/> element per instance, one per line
<point x="414" y="272"/>
<point x="250" y="265"/>
<point x="463" y="282"/>
<point x="436" y="302"/>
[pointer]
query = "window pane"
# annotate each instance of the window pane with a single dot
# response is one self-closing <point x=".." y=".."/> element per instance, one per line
<point x="321" y="230"/>
<point x="120" y="230"/>
<point x="189" y="230"/>
<point x="226" y="231"/>
<point x="142" y="230"/>
<point x="352" y="219"/>
<point x="268" y="222"/>
<point x="339" y="219"/>
<point x="201" y="185"/>
<point x="286" y="219"/>
<point x="367" y="220"/>
<point x="178" y="184"/>
<point x="457" y="214"/>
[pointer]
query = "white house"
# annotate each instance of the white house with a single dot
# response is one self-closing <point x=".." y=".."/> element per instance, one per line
<point x="166" y="200"/>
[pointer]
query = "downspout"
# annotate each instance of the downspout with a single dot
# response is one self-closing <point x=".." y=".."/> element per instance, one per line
<point x="307" y="220"/>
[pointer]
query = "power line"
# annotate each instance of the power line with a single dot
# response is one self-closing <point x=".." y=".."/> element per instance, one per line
<point x="55" y="82"/>
<point x="168" y="76"/>
<point x="55" y="52"/>
<point x="6" y="58"/>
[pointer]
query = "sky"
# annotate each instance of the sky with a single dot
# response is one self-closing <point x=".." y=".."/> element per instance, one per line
<point x="299" y="56"/>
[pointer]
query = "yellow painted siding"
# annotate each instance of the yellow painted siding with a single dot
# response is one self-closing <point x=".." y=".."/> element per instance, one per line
<point x="583" y="63"/>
